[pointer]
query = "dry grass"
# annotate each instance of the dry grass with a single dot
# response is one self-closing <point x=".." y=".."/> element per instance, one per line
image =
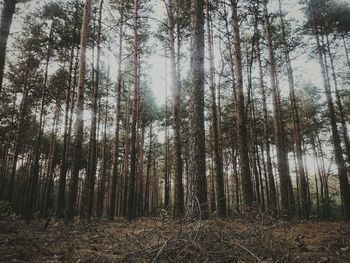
<point x="159" y="240"/>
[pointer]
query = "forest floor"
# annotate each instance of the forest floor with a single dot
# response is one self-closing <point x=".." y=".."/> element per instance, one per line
<point x="163" y="240"/>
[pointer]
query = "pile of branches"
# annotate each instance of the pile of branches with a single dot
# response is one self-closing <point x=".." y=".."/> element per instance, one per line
<point x="147" y="240"/>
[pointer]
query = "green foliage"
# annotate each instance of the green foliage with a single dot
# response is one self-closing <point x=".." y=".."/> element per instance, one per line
<point x="329" y="16"/>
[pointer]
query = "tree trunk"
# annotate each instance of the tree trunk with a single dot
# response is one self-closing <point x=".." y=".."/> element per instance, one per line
<point x="166" y="143"/>
<point x="296" y="124"/>
<point x="126" y="156"/>
<point x="247" y="186"/>
<point x="219" y="173"/>
<point x="197" y="131"/>
<point x="176" y="96"/>
<point x="79" y="125"/>
<point x="148" y="172"/>
<point x="89" y="186"/>
<point x="281" y="155"/>
<point x="101" y="199"/>
<point x="132" y="179"/>
<point x="48" y="193"/>
<point x="117" y="120"/>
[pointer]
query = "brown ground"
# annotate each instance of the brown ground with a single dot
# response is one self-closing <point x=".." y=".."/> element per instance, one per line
<point x="160" y="240"/>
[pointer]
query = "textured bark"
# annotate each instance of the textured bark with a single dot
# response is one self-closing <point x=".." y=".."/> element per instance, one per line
<point x="117" y="121"/>
<point x="79" y="125"/>
<point x="89" y="186"/>
<point x="126" y="157"/>
<point x="247" y="187"/>
<point x="296" y="123"/>
<point x="166" y="145"/>
<point x="219" y="173"/>
<point x="103" y="174"/>
<point x="282" y="162"/>
<point x="132" y="179"/>
<point x="47" y="202"/>
<point x="197" y="131"/>
<point x="176" y="96"/>
<point x="5" y="26"/>
<point x="148" y="172"/>
<point x="63" y="171"/>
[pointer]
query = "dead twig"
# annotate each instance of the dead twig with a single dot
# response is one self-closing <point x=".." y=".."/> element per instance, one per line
<point x="160" y="251"/>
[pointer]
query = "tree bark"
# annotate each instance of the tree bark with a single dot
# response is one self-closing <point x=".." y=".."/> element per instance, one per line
<point x="282" y="163"/>
<point x="79" y="125"/>
<point x="219" y="173"/>
<point x="132" y="180"/>
<point x="176" y="96"/>
<point x="247" y="186"/>
<point x="197" y="133"/>
<point x="117" y="120"/>
<point x="296" y="123"/>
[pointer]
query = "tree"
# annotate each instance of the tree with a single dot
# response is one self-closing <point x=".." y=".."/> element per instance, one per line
<point x="176" y="98"/>
<point x="91" y="173"/>
<point x="339" y="159"/>
<point x="283" y="168"/>
<point x="248" y="195"/>
<point x="296" y="121"/>
<point x="197" y="131"/>
<point x="117" y="118"/>
<point x="79" y="125"/>
<point x="220" y="188"/>
<point x="134" y="116"/>
<point x="5" y="26"/>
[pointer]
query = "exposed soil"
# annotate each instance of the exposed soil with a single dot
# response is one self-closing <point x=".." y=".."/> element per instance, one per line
<point x="162" y="240"/>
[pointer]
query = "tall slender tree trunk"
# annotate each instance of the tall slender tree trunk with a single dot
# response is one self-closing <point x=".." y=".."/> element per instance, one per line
<point x="247" y="186"/>
<point x="296" y="123"/>
<point x="282" y="162"/>
<point x="148" y="172"/>
<point x="103" y="174"/>
<point x="272" y="197"/>
<point x="176" y="96"/>
<point x="89" y="186"/>
<point x="126" y="155"/>
<point x="79" y="125"/>
<point x="8" y="10"/>
<point x="166" y="142"/>
<point x="63" y="170"/>
<point x="48" y="192"/>
<point x="197" y="131"/>
<point x="219" y="173"/>
<point x="132" y="179"/>
<point x="117" y="120"/>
